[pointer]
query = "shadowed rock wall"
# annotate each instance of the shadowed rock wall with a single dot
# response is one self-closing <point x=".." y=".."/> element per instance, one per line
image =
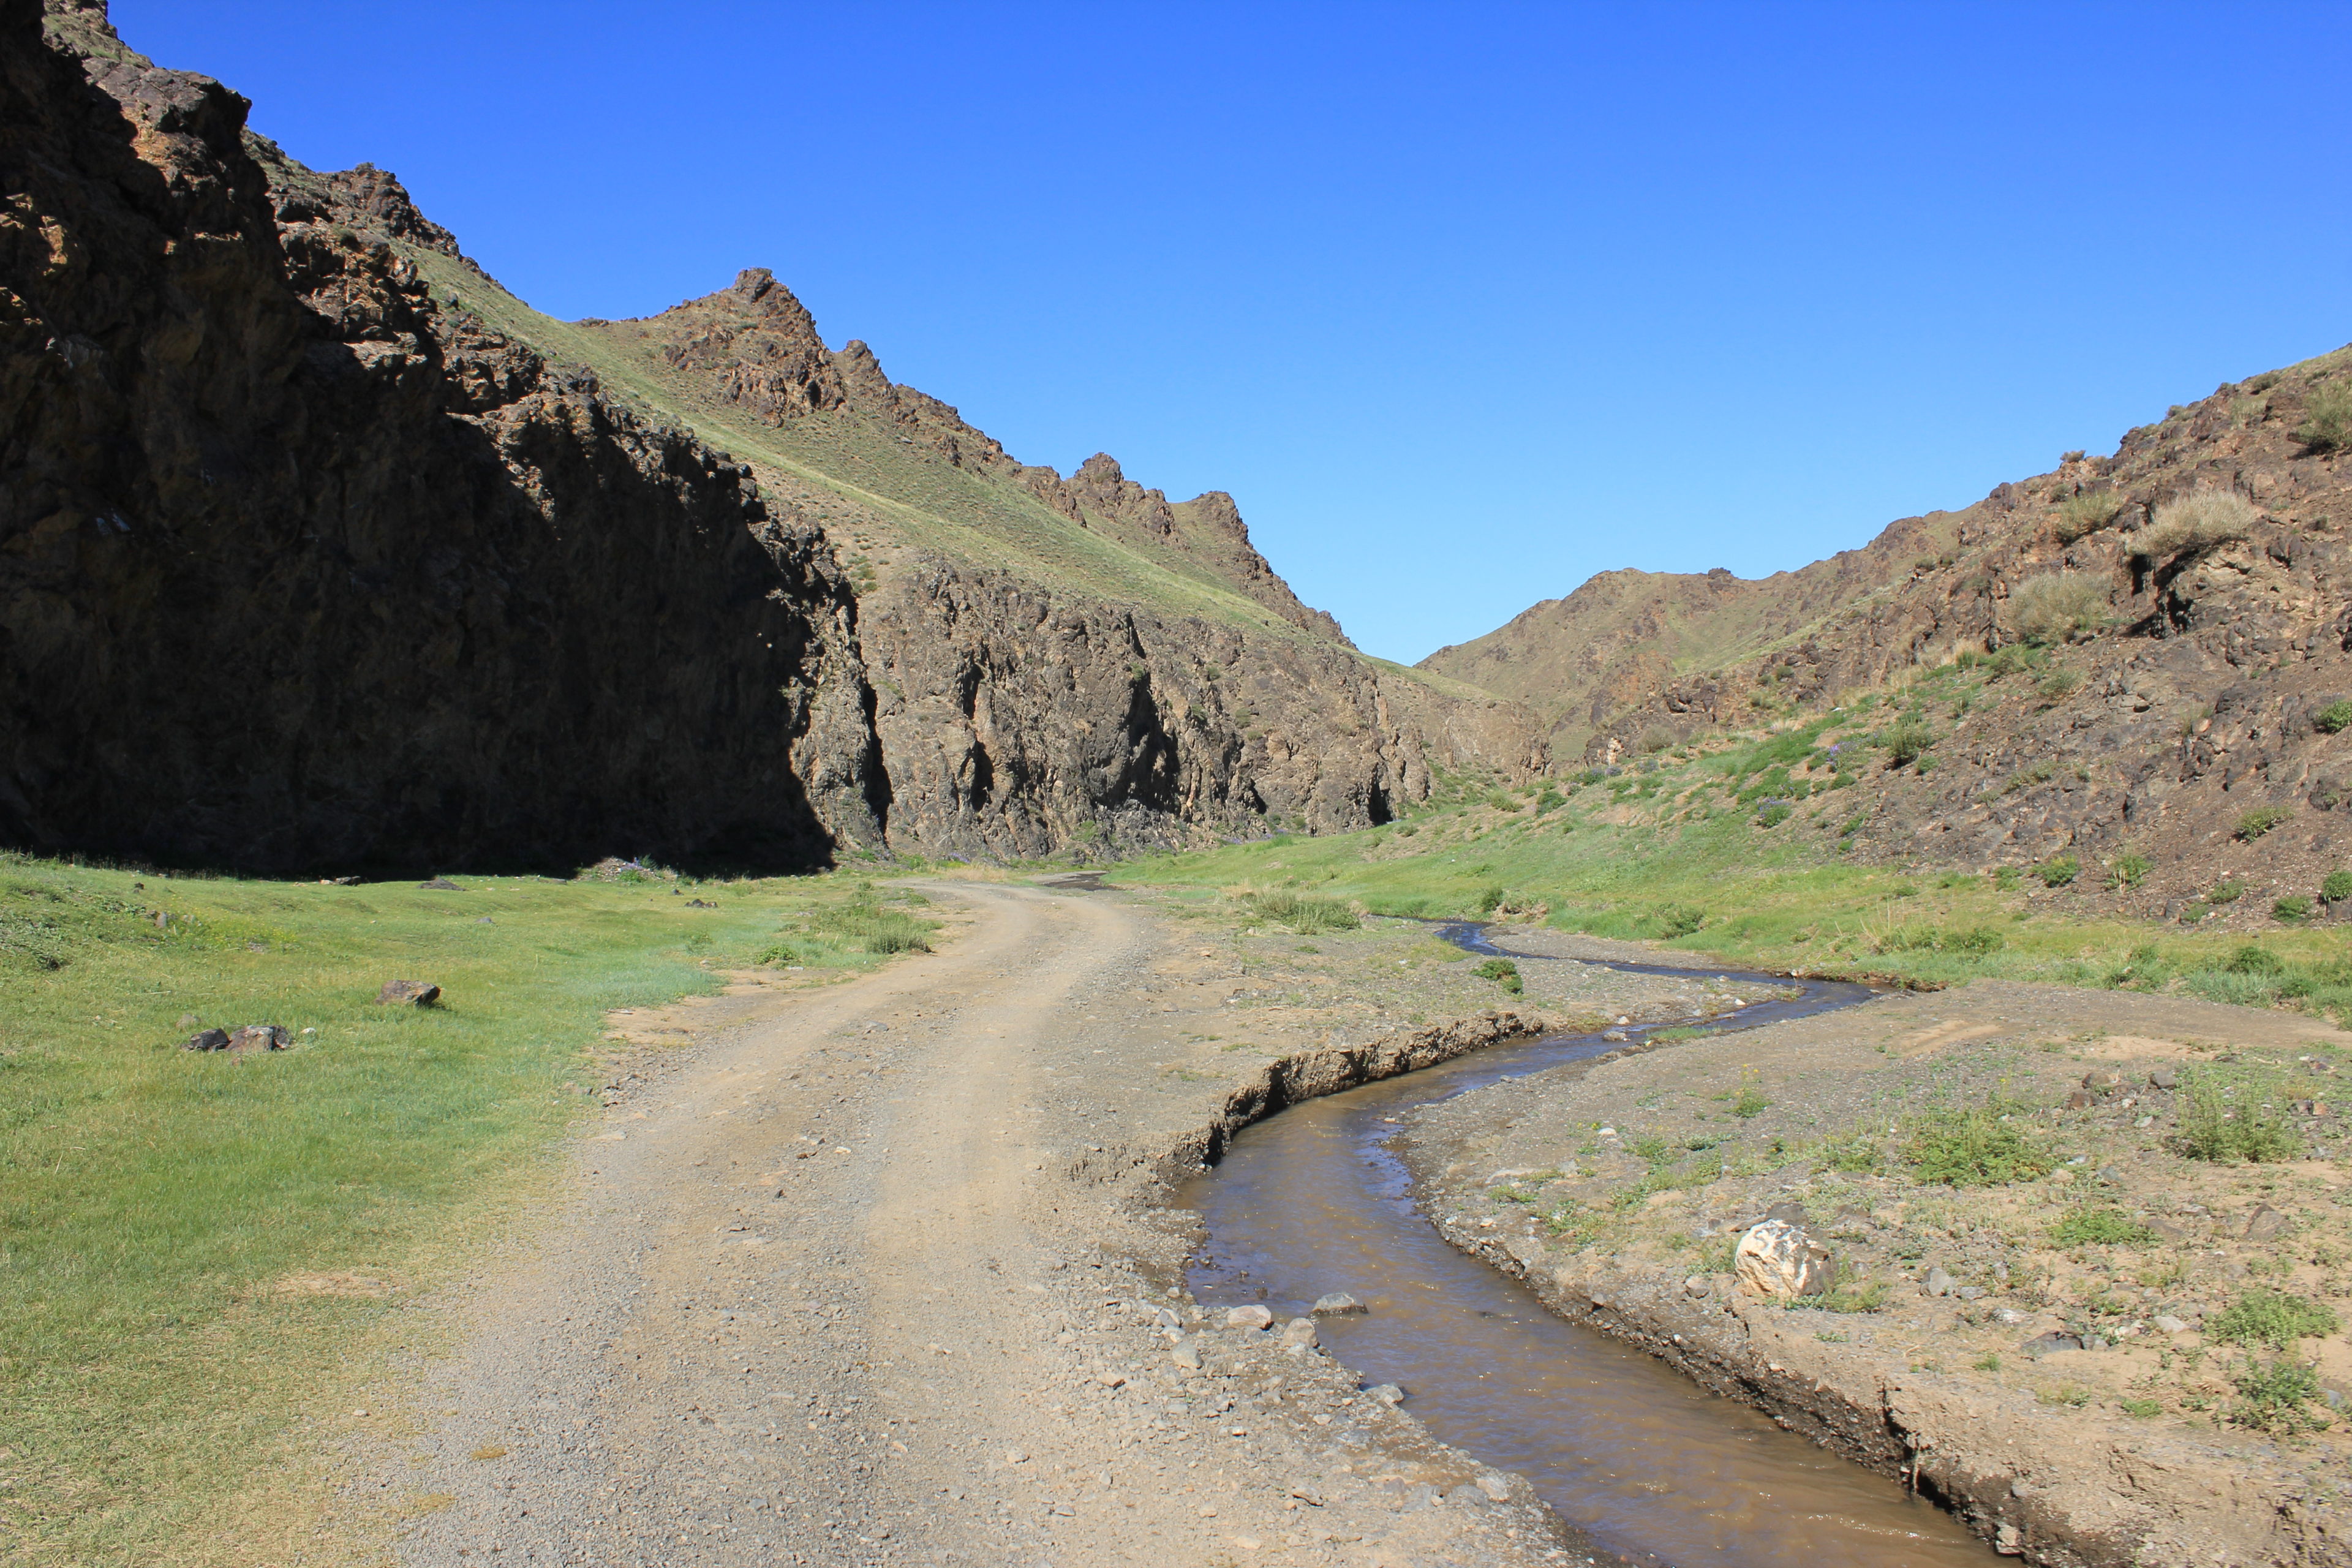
<point x="298" y="568"/>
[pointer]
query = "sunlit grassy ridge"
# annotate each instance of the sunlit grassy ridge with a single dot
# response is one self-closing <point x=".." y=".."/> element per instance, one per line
<point x="160" y="1208"/>
<point x="1698" y="852"/>
<point x="932" y="503"/>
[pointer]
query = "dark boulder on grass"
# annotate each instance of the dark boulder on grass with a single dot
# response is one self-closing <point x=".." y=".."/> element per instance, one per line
<point x="408" y="993"/>
<point x="260" y="1037"/>
<point x="206" y="1040"/>
<point x="439" y="885"/>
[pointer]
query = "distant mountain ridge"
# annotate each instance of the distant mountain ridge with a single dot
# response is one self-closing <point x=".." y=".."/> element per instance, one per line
<point x="2168" y="631"/>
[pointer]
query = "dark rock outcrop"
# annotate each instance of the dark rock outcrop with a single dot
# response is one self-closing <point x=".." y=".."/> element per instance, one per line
<point x="299" y="565"/>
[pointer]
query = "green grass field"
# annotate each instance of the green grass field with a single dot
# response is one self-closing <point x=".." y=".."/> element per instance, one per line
<point x="1677" y="856"/>
<point x="167" y="1219"/>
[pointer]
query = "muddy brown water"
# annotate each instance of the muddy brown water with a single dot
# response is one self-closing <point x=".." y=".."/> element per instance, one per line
<point x="1645" y="1464"/>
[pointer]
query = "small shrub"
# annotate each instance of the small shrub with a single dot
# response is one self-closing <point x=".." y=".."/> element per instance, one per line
<point x="2085" y="513"/>
<point x="2199" y="520"/>
<point x="2128" y="870"/>
<point x="1774" y="813"/>
<point x="1906" y="740"/>
<point x="2059" y="682"/>
<point x="2272" y="1319"/>
<point x="2293" y="909"/>
<point x="2059" y="870"/>
<point x="1308" y="914"/>
<point x="2327" y="418"/>
<point x="1503" y="973"/>
<point x="2276" y="1398"/>
<point x="2338" y="887"/>
<point x="1975" y="1148"/>
<point x="2253" y="960"/>
<point x="2333" y="718"/>
<point x="1550" y="800"/>
<point x="2253" y="823"/>
<point x="1856" y="1155"/>
<point x="2215" y="1127"/>
<point x="1749" y="1104"/>
<point x="1498" y="801"/>
<point x="2057" y="607"/>
<point x="2228" y="891"/>
<point x="2005" y="879"/>
<point x="2140" y="1409"/>
<point x="1678" y="920"/>
<point x="877" y="930"/>
<point x="2100" y="1227"/>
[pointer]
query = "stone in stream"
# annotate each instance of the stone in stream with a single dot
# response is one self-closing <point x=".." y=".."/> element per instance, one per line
<point x="1250" y="1317"/>
<point x="1777" y="1258"/>
<point x="1339" y="1304"/>
<point x="1387" y="1393"/>
<point x="1299" y="1331"/>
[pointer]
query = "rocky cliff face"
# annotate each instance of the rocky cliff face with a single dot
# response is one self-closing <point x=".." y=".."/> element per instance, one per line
<point x="316" y="547"/>
<point x="298" y="566"/>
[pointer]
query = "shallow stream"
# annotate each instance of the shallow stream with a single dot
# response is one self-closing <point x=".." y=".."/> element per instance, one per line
<point x="1649" y="1465"/>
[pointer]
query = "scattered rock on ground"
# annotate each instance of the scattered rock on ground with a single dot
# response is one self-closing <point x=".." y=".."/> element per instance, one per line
<point x="1777" y="1258"/>
<point x="408" y="993"/>
<point x="208" y="1040"/>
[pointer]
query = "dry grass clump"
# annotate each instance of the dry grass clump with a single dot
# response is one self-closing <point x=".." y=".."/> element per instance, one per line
<point x="2201" y="519"/>
<point x="2057" y="607"/>
<point x="2085" y="513"/>
<point x="2327" y="418"/>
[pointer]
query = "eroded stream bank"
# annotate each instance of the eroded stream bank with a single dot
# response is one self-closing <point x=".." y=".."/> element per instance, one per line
<point x="1319" y="1199"/>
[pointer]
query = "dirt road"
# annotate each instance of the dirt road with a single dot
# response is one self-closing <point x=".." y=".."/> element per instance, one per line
<point x="856" y="1282"/>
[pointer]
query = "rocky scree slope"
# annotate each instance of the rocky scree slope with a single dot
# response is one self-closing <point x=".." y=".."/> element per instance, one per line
<point x="320" y="548"/>
<point x="2153" y="647"/>
<point x="301" y="567"/>
<point x="1611" y="646"/>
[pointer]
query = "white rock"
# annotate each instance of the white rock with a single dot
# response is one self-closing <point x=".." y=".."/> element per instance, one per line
<point x="1777" y="1258"/>
<point x="1495" y="1487"/>
<point x="1251" y="1316"/>
<point x="1186" y="1353"/>
<point x="2170" y="1324"/>
<point x="1299" y="1331"/>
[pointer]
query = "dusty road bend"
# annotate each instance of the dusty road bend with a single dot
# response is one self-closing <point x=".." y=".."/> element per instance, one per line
<point x="853" y="1283"/>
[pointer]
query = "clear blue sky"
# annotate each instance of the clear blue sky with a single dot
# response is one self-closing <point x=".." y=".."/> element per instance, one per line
<point x="1464" y="302"/>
